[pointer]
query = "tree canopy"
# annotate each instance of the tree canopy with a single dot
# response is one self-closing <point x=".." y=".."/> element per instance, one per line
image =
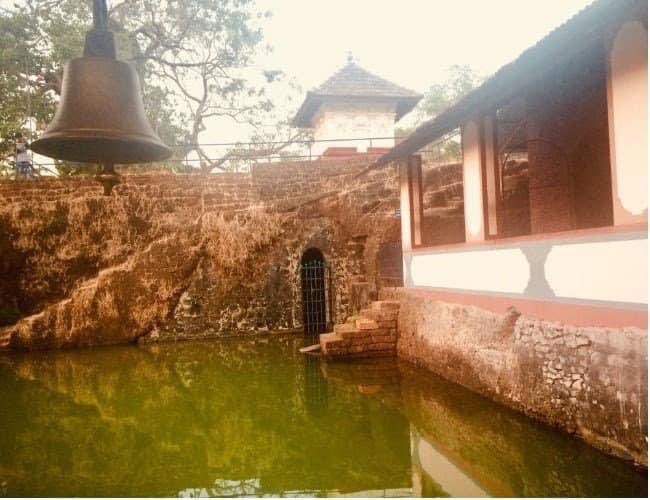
<point x="461" y="79"/>
<point x="194" y="58"/>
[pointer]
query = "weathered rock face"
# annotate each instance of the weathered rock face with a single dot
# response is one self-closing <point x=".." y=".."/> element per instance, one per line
<point x="120" y="304"/>
<point x="588" y="381"/>
<point x="69" y="252"/>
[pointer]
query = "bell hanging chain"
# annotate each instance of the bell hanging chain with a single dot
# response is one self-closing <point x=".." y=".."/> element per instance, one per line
<point x="100" y="15"/>
<point x="99" y="40"/>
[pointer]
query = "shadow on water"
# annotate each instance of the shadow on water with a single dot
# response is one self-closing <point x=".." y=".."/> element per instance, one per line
<point x="254" y="417"/>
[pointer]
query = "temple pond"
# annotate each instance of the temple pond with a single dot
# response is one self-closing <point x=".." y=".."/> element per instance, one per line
<point x="255" y="417"/>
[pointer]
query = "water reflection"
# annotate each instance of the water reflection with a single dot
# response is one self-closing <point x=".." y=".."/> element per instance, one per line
<point x="256" y="418"/>
<point x="465" y="445"/>
<point x="315" y="390"/>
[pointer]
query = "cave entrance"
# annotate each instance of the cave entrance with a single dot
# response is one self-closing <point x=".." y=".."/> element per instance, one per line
<point x="316" y="294"/>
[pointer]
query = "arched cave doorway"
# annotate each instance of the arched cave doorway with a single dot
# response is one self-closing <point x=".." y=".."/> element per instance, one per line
<point x="315" y="284"/>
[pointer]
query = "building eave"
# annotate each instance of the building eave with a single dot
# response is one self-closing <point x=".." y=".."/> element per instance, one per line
<point x="313" y="101"/>
<point x="575" y="36"/>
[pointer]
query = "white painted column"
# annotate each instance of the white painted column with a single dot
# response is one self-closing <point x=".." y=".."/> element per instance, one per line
<point x="627" y="102"/>
<point x="405" y="206"/>
<point x="472" y="183"/>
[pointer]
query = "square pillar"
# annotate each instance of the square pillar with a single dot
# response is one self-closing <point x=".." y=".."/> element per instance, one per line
<point x="472" y="182"/>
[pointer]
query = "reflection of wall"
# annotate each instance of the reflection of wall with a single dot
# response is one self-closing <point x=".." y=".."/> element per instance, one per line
<point x="450" y="479"/>
<point x="462" y="442"/>
<point x="126" y="421"/>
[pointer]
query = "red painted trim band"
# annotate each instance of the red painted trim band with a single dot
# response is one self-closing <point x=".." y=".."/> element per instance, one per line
<point x="572" y="314"/>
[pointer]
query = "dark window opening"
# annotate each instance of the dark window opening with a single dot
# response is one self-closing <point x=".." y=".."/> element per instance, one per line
<point x="437" y="193"/>
<point x="553" y="153"/>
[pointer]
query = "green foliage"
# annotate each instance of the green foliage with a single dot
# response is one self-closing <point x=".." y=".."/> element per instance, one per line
<point x="461" y="80"/>
<point x="19" y="85"/>
<point x="440" y="96"/>
<point x="193" y="58"/>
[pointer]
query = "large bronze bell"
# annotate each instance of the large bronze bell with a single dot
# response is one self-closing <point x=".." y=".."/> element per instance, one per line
<point x="100" y="118"/>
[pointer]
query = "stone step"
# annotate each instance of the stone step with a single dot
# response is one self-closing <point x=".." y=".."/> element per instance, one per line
<point x="366" y="324"/>
<point x="386" y="305"/>
<point x="384" y="319"/>
<point x="310" y="348"/>
<point x="356" y="335"/>
<point x="352" y="319"/>
<point x="372" y="332"/>
<point x="344" y="327"/>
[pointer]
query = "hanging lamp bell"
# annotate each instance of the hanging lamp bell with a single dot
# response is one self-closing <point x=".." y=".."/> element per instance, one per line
<point x="100" y="117"/>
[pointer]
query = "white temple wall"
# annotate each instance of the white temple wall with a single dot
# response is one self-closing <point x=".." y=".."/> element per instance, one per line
<point x="349" y="118"/>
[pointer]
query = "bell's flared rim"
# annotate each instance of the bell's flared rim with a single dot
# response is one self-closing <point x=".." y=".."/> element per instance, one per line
<point x="101" y="146"/>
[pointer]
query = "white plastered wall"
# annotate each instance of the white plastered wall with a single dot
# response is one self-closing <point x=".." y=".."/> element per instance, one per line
<point x="350" y="119"/>
<point x="627" y="98"/>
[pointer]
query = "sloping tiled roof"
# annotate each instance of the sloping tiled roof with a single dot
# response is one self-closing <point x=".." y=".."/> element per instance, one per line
<point x="354" y="81"/>
<point x="584" y="30"/>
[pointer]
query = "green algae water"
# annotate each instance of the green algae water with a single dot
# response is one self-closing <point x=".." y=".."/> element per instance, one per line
<point x="256" y="418"/>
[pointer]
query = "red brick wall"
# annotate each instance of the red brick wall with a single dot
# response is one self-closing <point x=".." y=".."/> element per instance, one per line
<point x="568" y="149"/>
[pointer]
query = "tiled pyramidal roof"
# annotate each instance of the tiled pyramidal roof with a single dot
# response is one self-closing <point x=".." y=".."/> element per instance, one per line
<point x="354" y="81"/>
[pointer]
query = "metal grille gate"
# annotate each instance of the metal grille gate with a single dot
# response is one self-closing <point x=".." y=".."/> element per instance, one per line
<point x="316" y="307"/>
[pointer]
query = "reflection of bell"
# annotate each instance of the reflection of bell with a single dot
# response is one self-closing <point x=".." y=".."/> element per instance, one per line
<point x="100" y="118"/>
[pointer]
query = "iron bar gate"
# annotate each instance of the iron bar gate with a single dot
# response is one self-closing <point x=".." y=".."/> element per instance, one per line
<point x="316" y="292"/>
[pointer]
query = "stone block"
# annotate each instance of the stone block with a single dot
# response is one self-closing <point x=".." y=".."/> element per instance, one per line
<point x="381" y="346"/>
<point x="355" y="334"/>
<point x="366" y="324"/>
<point x="386" y="306"/>
<point x="343" y="327"/>
<point x="383" y="338"/>
<point x="330" y="343"/>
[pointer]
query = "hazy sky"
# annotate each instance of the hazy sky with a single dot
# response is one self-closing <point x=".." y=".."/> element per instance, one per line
<point x="410" y="42"/>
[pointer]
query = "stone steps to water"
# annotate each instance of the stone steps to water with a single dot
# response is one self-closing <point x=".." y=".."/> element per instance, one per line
<point x="310" y="349"/>
<point x="371" y="333"/>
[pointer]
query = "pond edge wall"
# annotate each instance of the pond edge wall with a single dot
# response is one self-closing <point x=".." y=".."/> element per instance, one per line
<point x="589" y="381"/>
